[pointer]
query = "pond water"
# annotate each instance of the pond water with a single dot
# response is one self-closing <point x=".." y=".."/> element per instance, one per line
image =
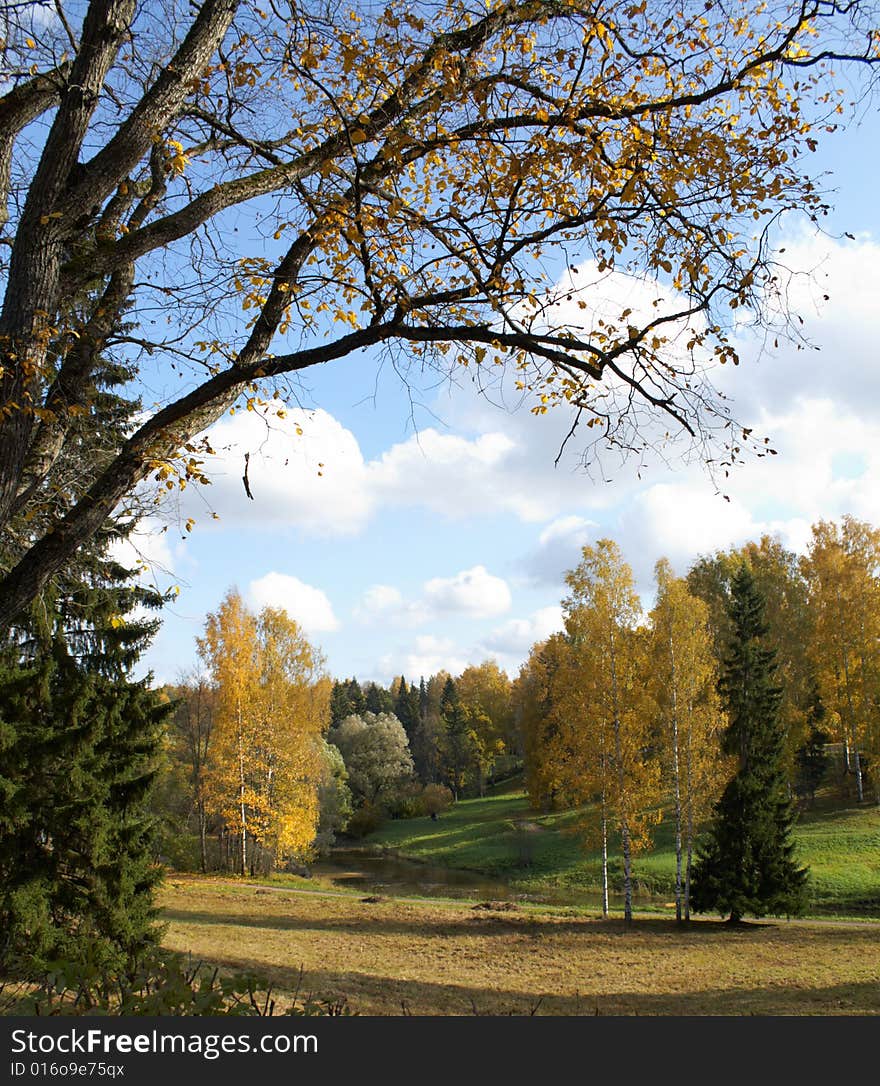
<point x="399" y="877"/>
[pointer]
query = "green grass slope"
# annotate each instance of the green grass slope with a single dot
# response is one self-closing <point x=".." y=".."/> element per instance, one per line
<point x="502" y="837"/>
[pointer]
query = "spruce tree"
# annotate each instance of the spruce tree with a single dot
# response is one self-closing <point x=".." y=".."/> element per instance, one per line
<point x="355" y="697"/>
<point x="746" y="864"/>
<point x="456" y="746"/>
<point x="406" y="709"/>
<point x="424" y="744"/>
<point x="378" y="699"/>
<point x="79" y="746"/>
<point x="79" y="739"/>
<point x="340" y="703"/>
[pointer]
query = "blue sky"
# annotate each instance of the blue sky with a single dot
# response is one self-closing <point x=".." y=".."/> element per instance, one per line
<point x="438" y="530"/>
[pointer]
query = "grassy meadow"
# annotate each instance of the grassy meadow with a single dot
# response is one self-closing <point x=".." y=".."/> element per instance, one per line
<point x="404" y="955"/>
<point x="394" y="956"/>
<point x="501" y="836"/>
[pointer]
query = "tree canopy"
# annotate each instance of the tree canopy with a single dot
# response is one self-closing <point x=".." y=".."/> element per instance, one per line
<point x="241" y="193"/>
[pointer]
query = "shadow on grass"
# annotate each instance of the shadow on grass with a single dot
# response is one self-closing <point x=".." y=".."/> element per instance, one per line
<point x="369" y="993"/>
<point x="373" y="923"/>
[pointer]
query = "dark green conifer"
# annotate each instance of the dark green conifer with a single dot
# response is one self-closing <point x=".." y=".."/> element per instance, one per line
<point x="746" y="864"/>
<point x="456" y="745"/>
<point x="406" y="709"/>
<point x="340" y="703"/>
<point x="378" y="699"/>
<point x="356" y="697"/>
<point x="79" y="739"/>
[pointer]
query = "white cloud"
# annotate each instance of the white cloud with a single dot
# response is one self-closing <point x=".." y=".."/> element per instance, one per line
<point x="515" y="638"/>
<point x="833" y="287"/>
<point x="307" y="605"/>
<point x="679" y="521"/>
<point x="508" y="645"/>
<point x="314" y="481"/>
<point x="428" y="655"/>
<point x="559" y="549"/>
<point x="382" y="597"/>
<point x="320" y="483"/>
<point x="456" y="476"/>
<point x="473" y="592"/>
<point x="828" y="464"/>
<point x="385" y="603"/>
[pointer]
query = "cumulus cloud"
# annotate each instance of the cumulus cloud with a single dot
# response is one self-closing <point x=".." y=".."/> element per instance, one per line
<point x="515" y="638"/>
<point x="313" y="480"/>
<point x="508" y="644"/>
<point x="458" y="476"/>
<point x="828" y="464"/>
<point x="679" y="521"/>
<point x="319" y="482"/>
<point x="427" y="656"/>
<point x="386" y="603"/>
<point x="833" y="286"/>
<point x="559" y="549"/>
<point x="307" y="605"/>
<point x="474" y="592"/>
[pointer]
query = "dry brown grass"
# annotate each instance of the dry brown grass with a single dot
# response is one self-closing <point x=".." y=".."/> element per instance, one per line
<point x="393" y="956"/>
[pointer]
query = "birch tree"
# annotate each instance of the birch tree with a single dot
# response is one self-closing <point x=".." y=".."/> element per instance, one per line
<point x="609" y="729"/>
<point x="684" y="677"/>
<point x="272" y="706"/>
<point x="293" y="708"/>
<point x="229" y="650"/>
<point x="842" y="569"/>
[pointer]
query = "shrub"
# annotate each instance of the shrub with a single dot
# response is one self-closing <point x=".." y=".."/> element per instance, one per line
<point x="162" y="984"/>
<point x="436" y="798"/>
<point x="366" y="819"/>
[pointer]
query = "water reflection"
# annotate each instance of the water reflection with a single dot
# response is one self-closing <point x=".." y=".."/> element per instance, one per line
<point x="398" y="877"/>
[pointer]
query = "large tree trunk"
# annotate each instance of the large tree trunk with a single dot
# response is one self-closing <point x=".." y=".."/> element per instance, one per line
<point x="32" y="282"/>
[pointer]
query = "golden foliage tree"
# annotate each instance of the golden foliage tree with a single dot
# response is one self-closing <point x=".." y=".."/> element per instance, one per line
<point x="604" y="740"/>
<point x="485" y="693"/>
<point x="683" y="681"/>
<point x="842" y="568"/>
<point x="272" y="707"/>
<point x="416" y="177"/>
<point x="532" y="696"/>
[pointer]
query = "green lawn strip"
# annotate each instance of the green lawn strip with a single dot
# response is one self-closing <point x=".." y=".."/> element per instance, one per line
<point x="841" y="848"/>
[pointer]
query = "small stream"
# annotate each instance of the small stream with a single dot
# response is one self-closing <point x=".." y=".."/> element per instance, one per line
<point x="399" y="877"/>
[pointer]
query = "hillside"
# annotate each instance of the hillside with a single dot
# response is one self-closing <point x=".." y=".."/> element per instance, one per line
<point x="501" y="836"/>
